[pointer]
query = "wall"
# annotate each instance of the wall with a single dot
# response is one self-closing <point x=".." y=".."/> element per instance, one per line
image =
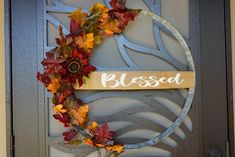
<point x="2" y="85"/>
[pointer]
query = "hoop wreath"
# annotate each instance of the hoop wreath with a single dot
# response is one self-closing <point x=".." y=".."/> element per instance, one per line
<point x="69" y="64"/>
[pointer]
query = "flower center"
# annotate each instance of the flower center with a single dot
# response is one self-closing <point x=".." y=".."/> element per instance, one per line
<point x="74" y="66"/>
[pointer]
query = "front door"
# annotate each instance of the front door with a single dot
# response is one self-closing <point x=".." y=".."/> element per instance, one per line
<point x="136" y="116"/>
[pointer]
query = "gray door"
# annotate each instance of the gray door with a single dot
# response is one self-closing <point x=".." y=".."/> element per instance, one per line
<point x="144" y="114"/>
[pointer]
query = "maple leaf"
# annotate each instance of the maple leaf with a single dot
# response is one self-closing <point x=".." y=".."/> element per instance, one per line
<point x="86" y="41"/>
<point x="53" y="65"/>
<point x="63" y="118"/>
<point x="99" y="8"/>
<point x="118" y="5"/>
<point x="44" y="78"/>
<point x="125" y="17"/>
<point x="78" y="19"/>
<point x="59" y="108"/>
<point x="80" y="115"/>
<point x="89" y="69"/>
<point x="110" y="26"/>
<point x="123" y="14"/>
<point x="103" y="135"/>
<point x="69" y="135"/>
<point x="54" y="86"/>
<point x="115" y="148"/>
<point x="63" y="95"/>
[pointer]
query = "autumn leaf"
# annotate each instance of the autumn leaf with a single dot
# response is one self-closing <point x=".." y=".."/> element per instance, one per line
<point x="86" y="41"/>
<point x="69" y="135"/>
<point x="63" y="95"/>
<point x="110" y="26"/>
<point x="100" y="8"/>
<point x="63" y="118"/>
<point x="44" y="78"/>
<point x="59" y="108"/>
<point x="53" y="65"/>
<point x="122" y="13"/>
<point x="118" y="5"/>
<point x="103" y="135"/>
<point x="125" y="17"/>
<point x="78" y="19"/>
<point x="115" y="148"/>
<point x="80" y="115"/>
<point x="54" y="86"/>
<point x="88" y="141"/>
<point x="92" y="126"/>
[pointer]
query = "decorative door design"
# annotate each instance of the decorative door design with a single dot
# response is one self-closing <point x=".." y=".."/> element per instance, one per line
<point x="136" y="116"/>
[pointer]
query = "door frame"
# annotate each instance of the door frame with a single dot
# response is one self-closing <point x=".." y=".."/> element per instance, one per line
<point x="204" y="23"/>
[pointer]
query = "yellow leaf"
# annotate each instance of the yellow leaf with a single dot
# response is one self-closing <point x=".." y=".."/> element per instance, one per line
<point x="115" y="148"/>
<point x="86" y="41"/>
<point x="99" y="8"/>
<point x="59" y="109"/>
<point x="92" y="126"/>
<point x="80" y="115"/>
<point x="54" y="86"/>
<point x="79" y="16"/>
<point x="110" y="26"/>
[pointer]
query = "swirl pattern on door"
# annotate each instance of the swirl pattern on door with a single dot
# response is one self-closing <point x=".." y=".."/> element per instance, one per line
<point x="136" y="116"/>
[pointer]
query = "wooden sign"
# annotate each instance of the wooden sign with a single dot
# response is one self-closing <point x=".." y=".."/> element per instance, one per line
<point x="138" y="80"/>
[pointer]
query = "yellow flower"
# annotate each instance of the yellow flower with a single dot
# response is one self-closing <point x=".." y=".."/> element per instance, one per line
<point x="59" y="109"/>
<point x="85" y="42"/>
<point x="115" y="148"/>
<point x="54" y="86"/>
<point x="80" y="115"/>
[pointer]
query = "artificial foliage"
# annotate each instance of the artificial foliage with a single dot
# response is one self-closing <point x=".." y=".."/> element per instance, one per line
<point x="69" y="64"/>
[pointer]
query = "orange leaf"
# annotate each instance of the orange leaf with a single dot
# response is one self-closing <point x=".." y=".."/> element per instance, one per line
<point x="86" y="41"/>
<point x="54" y="86"/>
<point x="80" y="115"/>
<point x="92" y="126"/>
<point x="88" y="141"/>
<point x="110" y="26"/>
<point x="98" y="7"/>
<point x="115" y="148"/>
<point x="78" y="16"/>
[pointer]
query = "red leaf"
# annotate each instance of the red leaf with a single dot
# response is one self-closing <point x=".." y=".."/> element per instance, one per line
<point x="118" y="4"/>
<point x="63" y="118"/>
<point x="69" y="135"/>
<point x="45" y="79"/>
<point x="125" y="17"/>
<point x="103" y="135"/>
<point x="89" y="69"/>
<point x="53" y="65"/>
<point x="74" y="26"/>
<point x="62" y="96"/>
